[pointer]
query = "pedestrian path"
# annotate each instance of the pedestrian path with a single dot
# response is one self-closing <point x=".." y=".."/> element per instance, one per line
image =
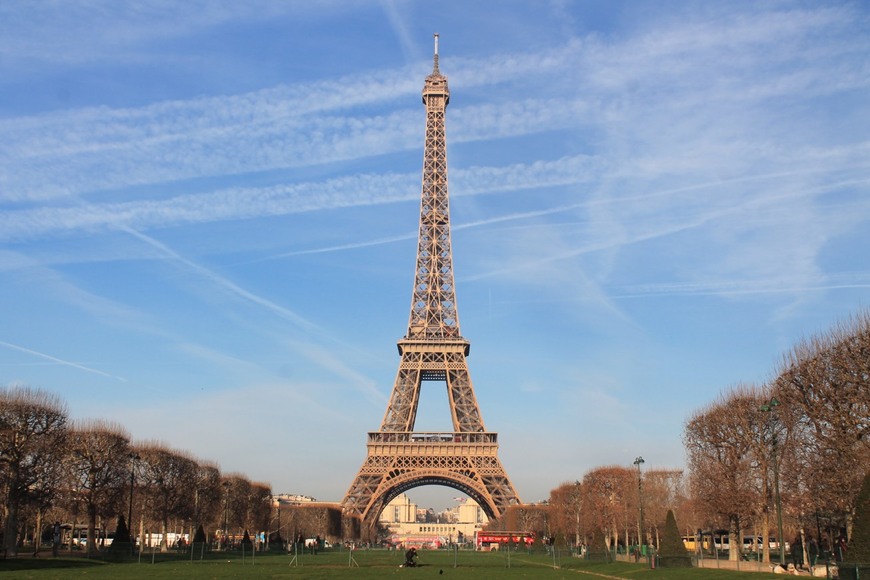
<point x="819" y="571"/>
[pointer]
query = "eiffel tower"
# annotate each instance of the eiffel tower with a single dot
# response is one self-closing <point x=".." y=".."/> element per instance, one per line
<point x="399" y="458"/>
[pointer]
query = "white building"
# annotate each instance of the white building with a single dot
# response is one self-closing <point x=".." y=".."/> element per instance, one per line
<point x="408" y="525"/>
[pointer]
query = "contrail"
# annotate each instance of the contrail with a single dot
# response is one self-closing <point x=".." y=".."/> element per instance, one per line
<point x="61" y="361"/>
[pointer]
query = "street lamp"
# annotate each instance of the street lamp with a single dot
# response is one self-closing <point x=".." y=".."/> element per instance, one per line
<point x="134" y="457"/>
<point x="770" y="407"/>
<point x="638" y="462"/>
<point x="279" y="523"/>
<point x="226" y="485"/>
<point x="577" y="499"/>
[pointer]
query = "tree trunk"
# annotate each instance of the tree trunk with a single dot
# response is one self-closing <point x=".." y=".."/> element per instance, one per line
<point x="38" y="538"/>
<point x="10" y="529"/>
<point x="805" y="556"/>
<point x="92" y="531"/>
<point x="734" y="542"/>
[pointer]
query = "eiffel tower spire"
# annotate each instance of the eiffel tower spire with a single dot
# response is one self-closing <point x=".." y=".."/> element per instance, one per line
<point x="435" y="59"/>
<point x="433" y="350"/>
<point x="434" y="318"/>
<point x="433" y="302"/>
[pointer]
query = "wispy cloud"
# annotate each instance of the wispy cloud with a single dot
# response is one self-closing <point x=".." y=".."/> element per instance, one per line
<point x="372" y="189"/>
<point x="327" y="359"/>
<point x="778" y="285"/>
<point x="400" y="25"/>
<point x="54" y="359"/>
<point x="225" y="284"/>
<point x="225" y="204"/>
<point x="252" y="203"/>
<point x="81" y="152"/>
<point x="64" y="33"/>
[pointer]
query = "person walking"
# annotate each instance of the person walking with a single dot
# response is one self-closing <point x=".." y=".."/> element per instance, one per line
<point x="55" y="539"/>
<point x="812" y="551"/>
<point x="797" y="553"/>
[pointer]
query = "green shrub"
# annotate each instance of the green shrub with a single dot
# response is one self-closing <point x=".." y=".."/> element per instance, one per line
<point x="859" y="543"/>
<point x="199" y="536"/>
<point x="672" y="552"/>
<point x="671" y="542"/>
<point x="121" y="547"/>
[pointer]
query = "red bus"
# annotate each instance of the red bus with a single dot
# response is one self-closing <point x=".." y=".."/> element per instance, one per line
<point x="494" y="540"/>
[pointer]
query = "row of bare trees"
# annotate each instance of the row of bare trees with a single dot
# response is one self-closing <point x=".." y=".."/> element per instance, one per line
<point x="611" y="507"/>
<point x="53" y="469"/>
<point x="801" y="441"/>
<point x="621" y="504"/>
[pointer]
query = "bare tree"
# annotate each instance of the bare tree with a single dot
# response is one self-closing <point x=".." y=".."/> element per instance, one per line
<point x="721" y="443"/>
<point x="259" y="507"/>
<point x="238" y="493"/>
<point x="98" y="467"/>
<point x="523" y="518"/>
<point x="610" y="502"/>
<point x="663" y="490"/>
<point x="824" y="386"/>
<point x="169" y="480"/>
<point x="33" y="428"/>
<point x="208" y="496"/>
<point x="566" y="502"/>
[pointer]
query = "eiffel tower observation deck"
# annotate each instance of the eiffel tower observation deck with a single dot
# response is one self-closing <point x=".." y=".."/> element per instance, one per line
<point x="433" y="350"/>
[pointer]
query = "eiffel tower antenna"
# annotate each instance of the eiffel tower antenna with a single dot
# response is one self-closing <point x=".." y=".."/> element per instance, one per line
<point x="398" y="458"/>
<point x="435" y="65"/>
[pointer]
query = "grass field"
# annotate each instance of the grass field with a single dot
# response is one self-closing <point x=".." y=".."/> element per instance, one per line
<point x="338" y="564"/>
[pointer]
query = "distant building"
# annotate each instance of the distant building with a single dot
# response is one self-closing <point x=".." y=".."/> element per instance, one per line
<point x="412" y="526"/>
<point x="291" y="498"/>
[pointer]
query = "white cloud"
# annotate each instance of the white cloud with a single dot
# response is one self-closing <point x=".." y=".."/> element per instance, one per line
<point x="105" y="30"/>
<point x="54" y="359"/>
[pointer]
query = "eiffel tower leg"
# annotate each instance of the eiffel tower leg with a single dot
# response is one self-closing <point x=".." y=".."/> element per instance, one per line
<point x="397" y="462"/>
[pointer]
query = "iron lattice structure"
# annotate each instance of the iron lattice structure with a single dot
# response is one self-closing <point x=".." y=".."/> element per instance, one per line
<point x="399" y="458"/>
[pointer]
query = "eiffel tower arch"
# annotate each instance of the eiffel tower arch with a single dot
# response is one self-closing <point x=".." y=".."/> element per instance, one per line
<point x="399" y="458"/>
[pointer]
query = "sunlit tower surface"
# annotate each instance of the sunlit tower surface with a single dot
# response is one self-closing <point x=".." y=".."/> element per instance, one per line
<point x="398" y="458"/>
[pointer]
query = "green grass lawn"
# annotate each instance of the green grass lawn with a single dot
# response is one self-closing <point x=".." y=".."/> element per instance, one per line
<point x="337" y="564"/>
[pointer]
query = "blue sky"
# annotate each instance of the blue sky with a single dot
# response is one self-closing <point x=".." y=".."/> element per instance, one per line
<point x="208" y="214"/>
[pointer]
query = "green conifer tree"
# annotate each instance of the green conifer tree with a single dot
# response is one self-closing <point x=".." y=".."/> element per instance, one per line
<point x="859" y="543"/>
<point x="199" y="536"/>
<point x="199" y="544"/>
<point x="672" y="551"/>
<point x="857" y="558"/>
<point x="671" y="542"/>
<point x="121" y="546"/>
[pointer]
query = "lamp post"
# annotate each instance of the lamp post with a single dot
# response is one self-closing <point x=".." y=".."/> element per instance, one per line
<point x="134" y="457"/>
<point x="638" y="462"/>
<point x="770" y="407"/>
<point x="280" y="535"/>
<point x="577" y="498"/>
<point x="226" y="485"/>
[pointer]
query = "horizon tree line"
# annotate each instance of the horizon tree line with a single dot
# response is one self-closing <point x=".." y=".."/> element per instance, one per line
<point x="801" y="438"/>
<point x="799" y="441"/>
<point x="89" y="472"/>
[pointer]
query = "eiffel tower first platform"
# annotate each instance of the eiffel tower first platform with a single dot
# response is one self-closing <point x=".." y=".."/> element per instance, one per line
<point x="399" y="458"/>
